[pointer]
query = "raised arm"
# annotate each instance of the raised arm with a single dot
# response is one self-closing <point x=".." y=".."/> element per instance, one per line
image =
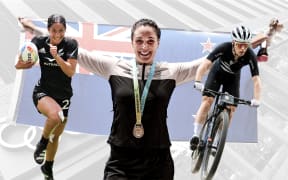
<point x="274" y="27"/>
<point x="30" y="27"/>
<point x="266" y="37"/>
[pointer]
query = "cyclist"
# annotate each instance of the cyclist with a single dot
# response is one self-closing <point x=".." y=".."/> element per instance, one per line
<point x="225" y="63"/>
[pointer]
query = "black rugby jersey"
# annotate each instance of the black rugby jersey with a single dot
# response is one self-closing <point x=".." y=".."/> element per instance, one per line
<point x="119" y="73"/>
<point x="53" y="80"/>
<point x="224" y="54"/>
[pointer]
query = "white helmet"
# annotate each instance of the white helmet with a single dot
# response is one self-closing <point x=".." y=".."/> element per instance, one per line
<point x="241" y="34"/>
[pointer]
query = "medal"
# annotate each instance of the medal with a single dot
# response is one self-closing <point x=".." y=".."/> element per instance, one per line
<point x="138" y="131"/>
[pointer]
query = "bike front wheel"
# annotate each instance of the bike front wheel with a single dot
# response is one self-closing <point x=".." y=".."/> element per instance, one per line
<point x="215" y="146"/>
<point x="198" y="154"/>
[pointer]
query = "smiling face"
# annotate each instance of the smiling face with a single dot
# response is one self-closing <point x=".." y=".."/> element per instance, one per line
<point x="145" y="38"/>
<point x="145" y="43"/>
<point x="57" y="33"/>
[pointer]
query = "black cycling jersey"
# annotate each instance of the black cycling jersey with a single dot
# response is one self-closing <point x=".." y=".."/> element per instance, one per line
<point x="119" y="74"/>
<point x="53" y="80"/>
<point x="226" y="71"/>
<point x="223" y="53"/>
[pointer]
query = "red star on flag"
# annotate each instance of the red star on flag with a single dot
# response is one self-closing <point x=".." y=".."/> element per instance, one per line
<point x="207" y="46"/>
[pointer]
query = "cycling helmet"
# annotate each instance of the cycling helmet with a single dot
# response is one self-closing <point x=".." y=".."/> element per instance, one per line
<point x="241" y="34"/>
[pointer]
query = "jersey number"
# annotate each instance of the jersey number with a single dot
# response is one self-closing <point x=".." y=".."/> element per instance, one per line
<point x="66" y="104"/>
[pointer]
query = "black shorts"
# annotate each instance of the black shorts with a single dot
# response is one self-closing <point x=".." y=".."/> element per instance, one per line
<point x="39" y="93"/>
<point x="139" y="164"/>
<point x="217" y="77"/>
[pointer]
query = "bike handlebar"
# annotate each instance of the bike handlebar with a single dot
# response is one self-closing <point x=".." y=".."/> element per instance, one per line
<point x="236" y="100"/>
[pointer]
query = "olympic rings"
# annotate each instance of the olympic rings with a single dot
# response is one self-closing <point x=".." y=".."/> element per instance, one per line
<point x="28" y="138"/>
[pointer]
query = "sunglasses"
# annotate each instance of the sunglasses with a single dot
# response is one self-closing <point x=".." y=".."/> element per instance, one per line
<point x="242" y="45"/>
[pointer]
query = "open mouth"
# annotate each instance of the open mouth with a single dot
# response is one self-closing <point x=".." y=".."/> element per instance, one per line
<point x="145" y="55"/>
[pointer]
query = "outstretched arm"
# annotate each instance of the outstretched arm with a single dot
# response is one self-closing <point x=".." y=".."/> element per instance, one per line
<point x="30" y="27"/>
<point x="274" y="26"/>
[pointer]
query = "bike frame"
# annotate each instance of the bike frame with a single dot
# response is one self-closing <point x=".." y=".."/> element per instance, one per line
<point x="219" y="113"/>
<point x="217" y="109"/>
<point x="219" y="118"/>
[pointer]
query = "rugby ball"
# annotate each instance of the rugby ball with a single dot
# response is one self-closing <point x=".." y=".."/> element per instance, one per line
<point x="29" y="52"/>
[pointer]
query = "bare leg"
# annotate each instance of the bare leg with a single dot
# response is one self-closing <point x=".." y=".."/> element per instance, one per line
<point x="53" y="146"/>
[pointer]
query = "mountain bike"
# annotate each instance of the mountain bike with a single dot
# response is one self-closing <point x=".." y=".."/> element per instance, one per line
<point x="213" y="134"/>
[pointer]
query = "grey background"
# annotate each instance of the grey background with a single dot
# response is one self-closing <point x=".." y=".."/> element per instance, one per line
<point x="82" y="156"/>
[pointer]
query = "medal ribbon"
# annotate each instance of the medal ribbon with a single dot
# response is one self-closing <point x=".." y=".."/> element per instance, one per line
<point x="139" y="106"/>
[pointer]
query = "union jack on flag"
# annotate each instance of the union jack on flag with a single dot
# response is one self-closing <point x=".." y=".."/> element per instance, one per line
<point x="105" y="39"/>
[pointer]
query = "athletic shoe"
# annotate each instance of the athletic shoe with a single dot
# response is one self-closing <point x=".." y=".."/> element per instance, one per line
<point x="48" y="174"/>
<point x="213" y="151"/>
<point x="194" y="143"/>
<point x="39" y="153"/>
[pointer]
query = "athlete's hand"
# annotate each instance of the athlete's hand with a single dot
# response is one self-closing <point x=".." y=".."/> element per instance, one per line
<point x="198" y="86"/>
<point x="53" y="51"/>
<point x="255" y="103"/>
<point x="23" y="64"/>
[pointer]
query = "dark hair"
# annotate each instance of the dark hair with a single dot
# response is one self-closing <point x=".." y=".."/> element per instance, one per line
<point x="146" y="22"/>
<point x="56" y="18"/>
